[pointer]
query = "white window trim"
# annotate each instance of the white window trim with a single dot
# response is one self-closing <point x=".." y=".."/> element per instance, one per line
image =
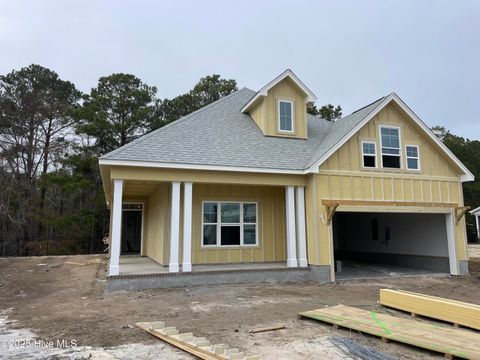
<point x="380" y="127"/>
<point x="219" y="225"/>
<point x="363" y="154"/>
<point x="293" y="116"/>
<point x="412" y="157"/>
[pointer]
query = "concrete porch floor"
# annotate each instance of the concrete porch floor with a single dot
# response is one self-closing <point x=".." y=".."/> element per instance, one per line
<point x="138" y="273"/>
<point x="143" y="265"/>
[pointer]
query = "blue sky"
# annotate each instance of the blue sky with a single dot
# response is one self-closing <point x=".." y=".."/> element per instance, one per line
<point x="347" y="52"/>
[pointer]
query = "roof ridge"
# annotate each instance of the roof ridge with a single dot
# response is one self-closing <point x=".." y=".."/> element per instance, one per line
<point x="373" y="102"/>
<point x="171" y="124"/>
<point x="315" y="156"/>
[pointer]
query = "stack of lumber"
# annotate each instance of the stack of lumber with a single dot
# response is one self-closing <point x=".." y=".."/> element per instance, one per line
<point x="444" y="339"/>
<point x="456" y="312"/>
<point x="197" y="346"/>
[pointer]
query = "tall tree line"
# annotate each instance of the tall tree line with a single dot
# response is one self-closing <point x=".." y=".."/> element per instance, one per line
<point x="51" y="135"/>
<point x="468" y="152"/>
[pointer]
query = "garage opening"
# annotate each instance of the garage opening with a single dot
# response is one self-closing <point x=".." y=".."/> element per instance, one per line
<point x="388" y="244"/>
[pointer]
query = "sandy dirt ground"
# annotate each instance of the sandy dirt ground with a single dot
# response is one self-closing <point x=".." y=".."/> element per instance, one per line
<point x="62" y="298"/>
<point x="474" y="250"/>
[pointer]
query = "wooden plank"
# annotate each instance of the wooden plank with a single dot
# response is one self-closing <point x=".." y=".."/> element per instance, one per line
<point x="455" y="312"/>
<point x="183" y="345"/>
<point x="197" y="346"/>
<point x="443" y="339"/>
<point x="265" y="329"/>
<point x="331" y="203"/>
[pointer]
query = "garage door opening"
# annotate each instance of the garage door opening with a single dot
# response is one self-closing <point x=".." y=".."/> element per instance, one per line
<point x="389" y="244"/>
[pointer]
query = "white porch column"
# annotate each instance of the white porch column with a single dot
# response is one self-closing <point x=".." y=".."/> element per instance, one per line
<point x="301" y="236"/>
<point x="452" y="252"/>
<point x="477" y="217"/>
<point x="187" y="227"/>
<point x="174" y="227"/>
<point x="290" y="222"/>
<point x="116" y="230"/>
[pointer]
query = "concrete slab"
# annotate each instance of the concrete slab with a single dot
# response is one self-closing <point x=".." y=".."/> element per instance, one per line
<point x="356" y="270"/>
<point x="141" y="265"/>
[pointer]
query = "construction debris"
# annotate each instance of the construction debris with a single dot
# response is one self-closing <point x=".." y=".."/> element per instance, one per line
<point x="197" y="346"/>
<point x="350" y="347"/>
<point x="455" y="312"/>
<point x="443" y="339"/>
<point x="75" y="263"/>
<point x="265" y="329"/>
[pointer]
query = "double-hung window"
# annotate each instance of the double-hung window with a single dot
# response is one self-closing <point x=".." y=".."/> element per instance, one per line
<point x="369" y="154"/>
<point x="228" y="223"/>
<point x="413" y="160"/>
<point x="285" y="115"/>
<point x="390" y="141"/>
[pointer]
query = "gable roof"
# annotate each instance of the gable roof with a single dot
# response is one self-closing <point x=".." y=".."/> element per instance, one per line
<point x="286" y="74"/>
<point x="339" y="129"/>
<point x="221" y="137"/>
<point x="356" y="124"/>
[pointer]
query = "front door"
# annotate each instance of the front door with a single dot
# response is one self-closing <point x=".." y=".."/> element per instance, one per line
<point x="131" y="231"/>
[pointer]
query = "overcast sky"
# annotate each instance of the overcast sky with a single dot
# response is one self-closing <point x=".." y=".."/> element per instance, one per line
<point x="347" y="52"/>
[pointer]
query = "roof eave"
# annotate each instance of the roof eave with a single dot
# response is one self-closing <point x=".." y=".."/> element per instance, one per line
<point x="185" y="166"/>
<point x="311" y="97"/>
<point x="475" y="211"/>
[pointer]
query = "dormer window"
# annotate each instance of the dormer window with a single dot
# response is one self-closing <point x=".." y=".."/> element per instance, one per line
<point x="285" y="115"/>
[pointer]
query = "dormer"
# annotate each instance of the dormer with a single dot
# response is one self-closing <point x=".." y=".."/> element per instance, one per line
<point x="280" y="107"/>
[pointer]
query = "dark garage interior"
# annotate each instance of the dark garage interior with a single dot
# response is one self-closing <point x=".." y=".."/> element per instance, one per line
<point x="389" y="242"/>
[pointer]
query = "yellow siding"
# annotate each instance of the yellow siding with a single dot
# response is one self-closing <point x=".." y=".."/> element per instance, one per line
<point x="157" y="224"/>
<point x="348" y="157"/>
<point x="259" y="114"/>
<point x="271" y="224"/>
<point x="343" y="177"/>
<point x="311" y="216"/>
<point x="265" y="113"/>
<point x="201" y="176"/>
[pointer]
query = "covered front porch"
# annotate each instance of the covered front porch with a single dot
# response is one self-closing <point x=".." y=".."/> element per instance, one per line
<point x="233" y="232"/>
<point x="143" y="265"/>
<point x="143" y="273"/>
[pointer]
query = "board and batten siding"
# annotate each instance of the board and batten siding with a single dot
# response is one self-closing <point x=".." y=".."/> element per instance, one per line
<point x="271" y="224"/>
<point x="342" y="177"/>
<point x="157" y="223"/>
<point x="265" y="113"/>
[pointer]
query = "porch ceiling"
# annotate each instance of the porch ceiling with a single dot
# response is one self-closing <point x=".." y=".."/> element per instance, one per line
<point x="139" y="188"/>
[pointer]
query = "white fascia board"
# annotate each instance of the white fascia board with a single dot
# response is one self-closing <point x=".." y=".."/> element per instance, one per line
<point x="104" y="185"/>
<point x="287" y="73"/>
<point x="475" y="211"/>
<point x="198" y="167"/>
<point x="467" y="176"/>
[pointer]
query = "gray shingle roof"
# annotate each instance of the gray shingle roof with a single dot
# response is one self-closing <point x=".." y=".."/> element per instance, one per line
<point x="220" y="134"/>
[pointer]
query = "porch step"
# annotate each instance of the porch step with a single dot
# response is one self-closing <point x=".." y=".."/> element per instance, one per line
<point x="198" y="346"/>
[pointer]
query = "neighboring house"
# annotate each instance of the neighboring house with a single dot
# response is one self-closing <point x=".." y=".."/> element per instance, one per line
<point x="476" y="214"/>
<point x="252" y="188"/>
